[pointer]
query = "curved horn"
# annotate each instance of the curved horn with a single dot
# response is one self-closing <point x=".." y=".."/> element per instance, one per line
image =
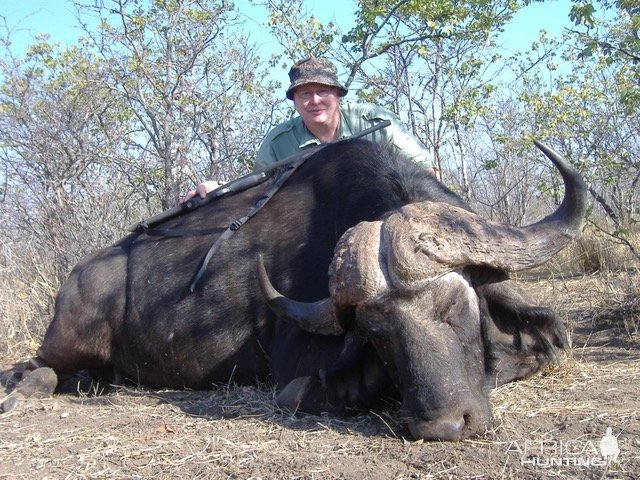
<point x="567" y="220"/>
<point x="315" y="317"/>
<point x="426" y="239"/>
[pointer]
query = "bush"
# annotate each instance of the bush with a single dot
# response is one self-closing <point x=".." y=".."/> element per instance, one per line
<point x="594" y="251"/>
<point x="27" y="292"/>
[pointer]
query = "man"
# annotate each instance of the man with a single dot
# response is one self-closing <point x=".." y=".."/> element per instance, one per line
<point x="323" y="118"/>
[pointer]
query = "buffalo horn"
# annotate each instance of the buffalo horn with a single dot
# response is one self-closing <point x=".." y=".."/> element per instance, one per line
<point x="314" y="317"/>
<point x="424" y="239"/>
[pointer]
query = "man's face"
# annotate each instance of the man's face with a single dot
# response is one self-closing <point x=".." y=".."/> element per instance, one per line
<point x="317" y="104"/>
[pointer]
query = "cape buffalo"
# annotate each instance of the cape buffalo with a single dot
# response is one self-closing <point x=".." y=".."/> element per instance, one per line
<point x="362" y="280"/>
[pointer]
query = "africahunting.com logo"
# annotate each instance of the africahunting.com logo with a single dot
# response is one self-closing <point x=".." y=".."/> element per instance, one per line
<point x="566" y="453"/>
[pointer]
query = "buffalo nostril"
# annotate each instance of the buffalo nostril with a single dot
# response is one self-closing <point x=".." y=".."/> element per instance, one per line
<point x="467" y="418"/>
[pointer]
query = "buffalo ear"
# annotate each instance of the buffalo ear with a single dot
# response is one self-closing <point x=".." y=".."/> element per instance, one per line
<point x="520" y="338"/>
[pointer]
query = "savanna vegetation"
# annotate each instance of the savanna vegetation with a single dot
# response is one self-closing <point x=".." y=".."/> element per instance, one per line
<point x="157" y="95"/>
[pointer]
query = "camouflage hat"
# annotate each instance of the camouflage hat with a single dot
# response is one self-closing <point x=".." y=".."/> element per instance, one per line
<point x="314" y="70"/>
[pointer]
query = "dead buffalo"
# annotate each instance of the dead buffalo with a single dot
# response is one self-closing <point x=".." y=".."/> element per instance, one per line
<point x="362" y="280"/>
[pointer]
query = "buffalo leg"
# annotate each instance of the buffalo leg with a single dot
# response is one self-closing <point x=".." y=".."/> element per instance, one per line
<point x="356" y="382"/>
<point x="41" y="381"/>
<point x="89" y="306"/>
<point x="38" y="383"/>
<point x="294" y="393"/>
<point x="310" y="394"/>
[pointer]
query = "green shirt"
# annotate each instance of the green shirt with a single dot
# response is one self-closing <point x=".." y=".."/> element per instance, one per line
<point x="292" y="136"/>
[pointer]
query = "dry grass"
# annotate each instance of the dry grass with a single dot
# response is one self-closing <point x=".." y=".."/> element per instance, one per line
<point x="26" y="298"/>
<point x="595" y="251"/>
<point x="238" y="432"/>
<point x="544" y="395"/>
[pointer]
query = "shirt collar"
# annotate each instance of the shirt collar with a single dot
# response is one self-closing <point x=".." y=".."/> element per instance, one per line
<point x="309" y="139"/>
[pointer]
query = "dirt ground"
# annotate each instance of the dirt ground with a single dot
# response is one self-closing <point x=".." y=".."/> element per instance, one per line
<point x="550" y="426"/>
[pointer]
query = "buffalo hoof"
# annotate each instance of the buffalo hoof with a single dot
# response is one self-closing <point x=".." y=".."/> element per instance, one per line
<point x="39" y="383"/>
<point x="294" y="393"/>
<point x="11" y="402"/>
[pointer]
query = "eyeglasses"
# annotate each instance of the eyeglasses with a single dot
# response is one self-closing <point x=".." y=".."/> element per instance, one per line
<point x="309" y="94"/>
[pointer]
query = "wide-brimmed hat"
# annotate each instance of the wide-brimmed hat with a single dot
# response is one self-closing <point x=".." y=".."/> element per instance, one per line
<point x="314" y="70"/>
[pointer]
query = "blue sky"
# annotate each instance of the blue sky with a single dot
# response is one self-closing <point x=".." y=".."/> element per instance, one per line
<point x="30" y="17"/>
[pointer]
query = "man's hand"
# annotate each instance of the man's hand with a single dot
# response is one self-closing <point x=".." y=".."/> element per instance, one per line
<point x="201" y="190"/>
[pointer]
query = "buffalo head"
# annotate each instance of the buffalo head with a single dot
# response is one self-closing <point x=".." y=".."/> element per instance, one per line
<point x="409" y="285"/>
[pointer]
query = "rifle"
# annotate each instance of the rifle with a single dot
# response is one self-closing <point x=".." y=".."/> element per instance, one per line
<point x="238" y="185"/>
